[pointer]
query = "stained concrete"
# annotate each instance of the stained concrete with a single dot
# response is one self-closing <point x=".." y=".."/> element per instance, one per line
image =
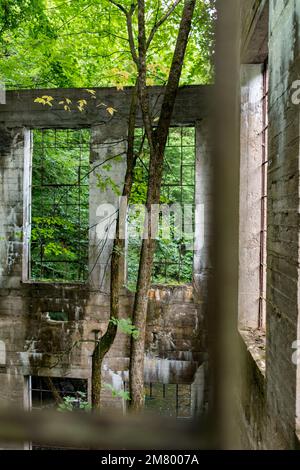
<point x="35" y="345"/>
<point x="192" y="103"/>
<point x="269" y="392"/>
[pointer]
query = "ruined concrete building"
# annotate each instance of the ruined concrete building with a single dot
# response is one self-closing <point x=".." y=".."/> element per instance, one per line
<point x="42" y="320"/>
<point x="47" y="328"/>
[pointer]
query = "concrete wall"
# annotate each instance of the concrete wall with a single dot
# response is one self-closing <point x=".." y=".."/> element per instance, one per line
<point x="283" y="218"/>
<point x="192" y="103"/>
<point x="35" y="345"/>
<point x="269" y="387"/>
<point x="254" y="31"/>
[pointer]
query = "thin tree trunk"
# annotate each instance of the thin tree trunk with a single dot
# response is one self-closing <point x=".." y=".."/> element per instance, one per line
<point x="58" y="399"/>
<point x="157" y="146"/>
<point x="104" y="344"/>
<point x="96" y="378"/>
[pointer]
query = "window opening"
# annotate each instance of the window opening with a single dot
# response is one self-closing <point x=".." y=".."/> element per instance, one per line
<point x="173" y="261"/>
<point x="59" y="205"/>
<point x="264" y="197"/>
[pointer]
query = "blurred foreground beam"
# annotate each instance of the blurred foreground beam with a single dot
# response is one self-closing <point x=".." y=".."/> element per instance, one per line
<point x="80" y="430"/>
<point x="223" y="318"/>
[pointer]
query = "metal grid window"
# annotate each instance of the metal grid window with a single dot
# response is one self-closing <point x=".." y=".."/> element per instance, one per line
<point x="59" y="205"/>
<point x="173" y="261"/>
<point x="42" y="396"/>
<point x="168" y="399"/>
<point x="264" y="198"/>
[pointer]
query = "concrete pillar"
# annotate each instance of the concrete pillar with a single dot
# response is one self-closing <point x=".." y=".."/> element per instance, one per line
<point x="203" y="213"/>
<point x="250" y="193"/>
<point x="203" y="245"/>
<point x="108" y="158"/>
<point x="283" y="250"/>
<point x="11" y="206"/>
<point x="12" y="308"/>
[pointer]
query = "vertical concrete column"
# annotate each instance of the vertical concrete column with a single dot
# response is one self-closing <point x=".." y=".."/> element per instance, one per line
<point x="250" y="193"/>
<point x="203" y="240"/>
<point x="203" y="212"/>
<point x="12" y="304"/>
<point x="108" y="161"/>
<point x="283" y="250"/>
<point x="12" y="143"/>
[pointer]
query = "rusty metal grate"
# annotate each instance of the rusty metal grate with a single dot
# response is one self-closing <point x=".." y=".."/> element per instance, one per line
<point x="264" y="198"/>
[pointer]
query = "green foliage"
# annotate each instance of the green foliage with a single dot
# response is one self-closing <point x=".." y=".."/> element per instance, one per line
<point x="125" y="325"/>
<point x="83" y="43"/>
<point x="55" y="43"/>
<point x="75" y="403"/>
<point x="59" y="234"/>
<point x="58" y="316"/>
<point x="118" y="250"/>
<point x="117" y="393"/>
<point x="139" y="187"/>
<point x="104" y="182"/>
<point x="173" y="260"/>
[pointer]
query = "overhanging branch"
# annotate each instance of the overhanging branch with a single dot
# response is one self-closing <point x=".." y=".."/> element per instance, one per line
<point x="158" y="24"/>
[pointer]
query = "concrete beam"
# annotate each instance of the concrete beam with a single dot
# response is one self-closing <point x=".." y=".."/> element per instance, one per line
<point x="255" y="25"/>
<point x="192" y="104"/>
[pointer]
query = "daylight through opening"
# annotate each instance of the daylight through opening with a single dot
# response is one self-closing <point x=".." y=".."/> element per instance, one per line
<point x="60" y="205"/>
<point x="173" y="262"/>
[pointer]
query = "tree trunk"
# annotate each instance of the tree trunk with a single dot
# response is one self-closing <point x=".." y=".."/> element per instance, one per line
<point x="157" y="146"/>
<point x="58" y="399"/>
<point x="96" y="378"/>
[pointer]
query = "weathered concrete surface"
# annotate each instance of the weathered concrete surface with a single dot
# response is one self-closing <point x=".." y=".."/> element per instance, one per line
<point x="35" y="345"/>
<point x="192" y="104"/>
<point x="252" y="399"/>
<point x="283" y="218"/>
<point x="39" y="346"/>
<point x="107" y="142"/>
<point x="255" y="26"/>
<point x="269" y="405"/>
<point x="204" y="208"/>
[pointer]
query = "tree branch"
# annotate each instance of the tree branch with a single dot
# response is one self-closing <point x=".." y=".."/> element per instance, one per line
<point x="128" y="15"/>
<point x="174" y="76"/>
<point x="142" y="75"/>
<point x="118" y="5"/>
<point x="130" y="33"/>
<point x="158" y="24"/>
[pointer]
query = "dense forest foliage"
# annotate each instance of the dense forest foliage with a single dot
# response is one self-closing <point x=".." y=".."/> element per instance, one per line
<point x="111" y="43"/>
<point x="83" y="43"/>
<point x="173" y="262"/>
<point x="60" y="204"/>
<point x="60" y="200"/>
